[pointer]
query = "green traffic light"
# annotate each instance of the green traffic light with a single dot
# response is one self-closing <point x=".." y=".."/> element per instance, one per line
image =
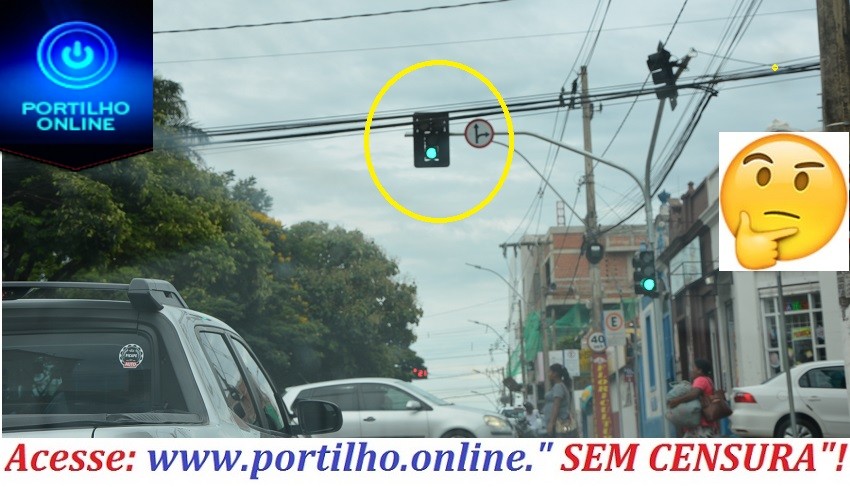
<point x="648" y="284"/>
<point x="431" y="152"/>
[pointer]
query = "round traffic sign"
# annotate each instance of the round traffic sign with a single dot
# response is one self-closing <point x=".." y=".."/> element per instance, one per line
<point x="478" y="133"/>
<point x="596" y="342"/>
<point x="614" y="321"/>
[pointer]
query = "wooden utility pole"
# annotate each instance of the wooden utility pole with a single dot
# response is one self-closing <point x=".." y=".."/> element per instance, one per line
<point x="834" y="37"/>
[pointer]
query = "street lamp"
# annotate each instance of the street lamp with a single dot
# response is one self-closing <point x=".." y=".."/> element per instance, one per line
<point x="499" y="335"/>
<point x="521" y="330"/>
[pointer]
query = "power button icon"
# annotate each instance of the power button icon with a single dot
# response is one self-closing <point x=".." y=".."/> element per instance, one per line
<point x="77" y="55"/>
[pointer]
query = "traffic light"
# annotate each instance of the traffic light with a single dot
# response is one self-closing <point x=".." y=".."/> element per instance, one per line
<point x="645" y="277"/>
<point x="431" y="139"/>
<point x="419" y="372"/>
<point x="662" y="74"/>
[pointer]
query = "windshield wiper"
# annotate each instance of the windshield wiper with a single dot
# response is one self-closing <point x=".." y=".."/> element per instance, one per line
<point x="12" y="422"/>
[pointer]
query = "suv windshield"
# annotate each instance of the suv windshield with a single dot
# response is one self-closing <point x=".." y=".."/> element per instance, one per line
<point x="95" y="372"/>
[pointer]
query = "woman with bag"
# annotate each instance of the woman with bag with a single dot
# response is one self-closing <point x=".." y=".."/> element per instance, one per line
<point x="557" y="409"/>
<point x="702" y="386"/>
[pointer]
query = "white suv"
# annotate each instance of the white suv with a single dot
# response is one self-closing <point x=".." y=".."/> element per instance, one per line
<point x="381" y="407"/>
<point x="140" y="364"/>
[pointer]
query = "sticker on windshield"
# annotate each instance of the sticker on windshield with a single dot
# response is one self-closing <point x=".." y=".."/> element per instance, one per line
<point x="131" y="356"/>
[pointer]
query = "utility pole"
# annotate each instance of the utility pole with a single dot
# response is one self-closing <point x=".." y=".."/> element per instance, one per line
<point x="520" y="300"/>
<point x="599" y="360"/>
<point x="834" y="39"/>
<point x="540" y="300"/>
<point x="591" y="220"/>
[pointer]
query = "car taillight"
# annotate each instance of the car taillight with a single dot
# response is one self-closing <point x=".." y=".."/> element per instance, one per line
<point x="744" y="397"/>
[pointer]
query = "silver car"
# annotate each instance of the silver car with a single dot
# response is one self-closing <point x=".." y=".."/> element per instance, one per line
<point x="820" y="403"/>
<point x="381" y="407"/>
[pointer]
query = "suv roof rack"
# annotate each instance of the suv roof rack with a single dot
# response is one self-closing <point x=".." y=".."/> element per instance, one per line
<point x="144" y="294"/>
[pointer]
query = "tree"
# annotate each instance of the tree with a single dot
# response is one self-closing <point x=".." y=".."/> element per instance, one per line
<point x="354" y="290"/>
<point x="314" y="302"/>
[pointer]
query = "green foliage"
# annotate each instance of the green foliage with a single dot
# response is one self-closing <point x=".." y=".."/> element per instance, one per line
<point x="354" y="290"/>
<point x="314" y="302"/>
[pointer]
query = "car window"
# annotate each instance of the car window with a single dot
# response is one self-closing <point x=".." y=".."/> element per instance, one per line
<point x="87" y="372"/>
<point x="427" y="395"/>
<point x="344" y="396"/>
<point x="824" y="378"/>
<point x="383" y="397"/>
<point x="233" y="384"/>
<point x="265" y="391"/>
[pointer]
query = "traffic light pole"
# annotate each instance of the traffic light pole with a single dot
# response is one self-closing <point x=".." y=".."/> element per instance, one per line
<point x="658" y="335"/>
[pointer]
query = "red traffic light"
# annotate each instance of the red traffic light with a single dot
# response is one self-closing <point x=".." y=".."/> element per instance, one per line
<point x="420" y="372"/>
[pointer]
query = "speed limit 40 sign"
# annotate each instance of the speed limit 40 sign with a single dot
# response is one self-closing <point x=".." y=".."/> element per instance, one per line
<point x="596" y="342"/>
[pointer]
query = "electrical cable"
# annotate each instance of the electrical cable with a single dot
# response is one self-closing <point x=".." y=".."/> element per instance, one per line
<point x="598" y="32"/>
<point x="464" y="41"/>
<point x="327" y="19"/>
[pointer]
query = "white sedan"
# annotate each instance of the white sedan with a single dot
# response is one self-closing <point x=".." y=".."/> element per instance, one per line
<point x="820" y="401"/>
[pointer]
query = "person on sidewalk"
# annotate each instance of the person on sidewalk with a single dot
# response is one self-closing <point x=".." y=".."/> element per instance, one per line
<point x="701" y="386"/>
<point x="558" y="403"/>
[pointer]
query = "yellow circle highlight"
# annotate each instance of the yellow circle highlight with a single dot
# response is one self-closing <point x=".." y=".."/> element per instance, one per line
<point x="484" y="202"/>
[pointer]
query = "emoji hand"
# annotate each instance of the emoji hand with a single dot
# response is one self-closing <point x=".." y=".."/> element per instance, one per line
<point x="758" y="250"/>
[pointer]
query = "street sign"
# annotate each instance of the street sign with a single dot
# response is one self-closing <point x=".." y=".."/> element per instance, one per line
<point x="615" y="329"/>
<point x="478" y="133"/>
<point x="572" y="361"/>
<point x="596" y="342"/>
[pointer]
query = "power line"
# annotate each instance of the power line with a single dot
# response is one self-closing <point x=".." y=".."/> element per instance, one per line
<point x="673" y="27"/>
<point x="466" y="41"/>
<point x="312" y="129"/>
<point x="596" y="39"/>
<point x="455" y="310"/>
<point x="327" y="19"/>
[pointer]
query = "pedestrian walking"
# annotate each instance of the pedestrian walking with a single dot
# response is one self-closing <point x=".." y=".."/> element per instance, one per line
<point x="701" y="385"/>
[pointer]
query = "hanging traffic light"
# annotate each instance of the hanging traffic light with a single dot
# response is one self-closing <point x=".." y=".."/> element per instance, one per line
<point x="662" y="74"/>
<point x="431" y="139"/>
<point x="645" y="277"/>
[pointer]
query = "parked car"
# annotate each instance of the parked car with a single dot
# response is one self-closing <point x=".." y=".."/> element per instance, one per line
<point x="820" y="402"/>
<point x="382" y="407"/>
<point x="513" y="413"/>
<point x="140" y="364"/>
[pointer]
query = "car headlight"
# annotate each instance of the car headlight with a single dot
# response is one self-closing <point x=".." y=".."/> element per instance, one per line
<point x="497" y="424"/>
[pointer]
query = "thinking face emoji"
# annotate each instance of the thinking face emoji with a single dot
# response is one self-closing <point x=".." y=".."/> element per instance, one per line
<point x="783" y="197"/>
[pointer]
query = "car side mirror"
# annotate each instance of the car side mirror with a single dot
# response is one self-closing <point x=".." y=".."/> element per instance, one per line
<point x="317" y="417"/>
<point x="415" y="405"/>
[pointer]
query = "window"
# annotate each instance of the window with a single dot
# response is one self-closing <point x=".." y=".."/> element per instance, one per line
<point x="804" y="335"/>
<point x="230" y="379"/>
<point x="87" y="372"/>
<point x="344" y="396"/>
<point x="381" y="397"/>
<point x="824" y="378"/>
<point x="265" y="392"/>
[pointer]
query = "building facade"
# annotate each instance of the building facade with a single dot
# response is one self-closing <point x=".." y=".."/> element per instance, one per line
<point x="557" y="284"/>
<point x="732" y="318"/>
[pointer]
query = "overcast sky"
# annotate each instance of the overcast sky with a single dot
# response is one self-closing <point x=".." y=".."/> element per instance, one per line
<point x="525" y="48"/>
